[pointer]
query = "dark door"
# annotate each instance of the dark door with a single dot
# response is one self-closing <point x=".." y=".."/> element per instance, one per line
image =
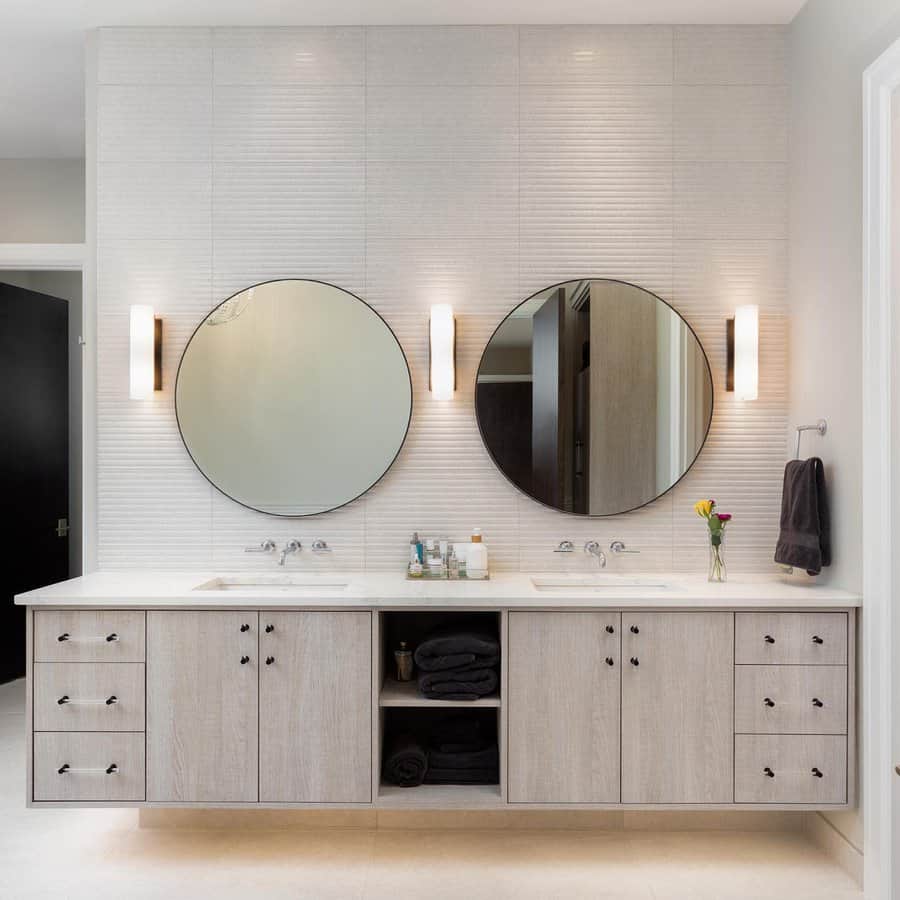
<point x="34" y="453"/>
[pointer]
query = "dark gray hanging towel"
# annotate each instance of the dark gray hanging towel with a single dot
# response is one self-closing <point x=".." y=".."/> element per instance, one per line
<point x="805" y="538"/>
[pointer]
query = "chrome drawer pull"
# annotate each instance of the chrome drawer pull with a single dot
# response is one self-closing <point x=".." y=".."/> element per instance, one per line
<point x="66" y="769"/>
<point x="90" y="639"/>
<point x="66" y="700"/>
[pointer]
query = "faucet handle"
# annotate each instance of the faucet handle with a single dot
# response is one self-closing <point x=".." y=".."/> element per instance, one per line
<point x="619" y="547"/>
<point x="267" y="546"/>
<point x="319" y="546"/>
<point x="565" y="547"/>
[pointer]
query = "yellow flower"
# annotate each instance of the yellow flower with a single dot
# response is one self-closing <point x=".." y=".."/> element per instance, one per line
<point x="704" y="508"/>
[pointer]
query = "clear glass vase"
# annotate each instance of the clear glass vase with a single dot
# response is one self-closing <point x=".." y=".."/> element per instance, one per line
<point x="717" y="570"/>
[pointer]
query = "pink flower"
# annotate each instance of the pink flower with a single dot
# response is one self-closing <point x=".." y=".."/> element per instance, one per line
<point x="723" y="517"/>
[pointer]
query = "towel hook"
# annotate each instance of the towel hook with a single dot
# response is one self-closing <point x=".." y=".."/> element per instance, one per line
<point x="821" y="427"/>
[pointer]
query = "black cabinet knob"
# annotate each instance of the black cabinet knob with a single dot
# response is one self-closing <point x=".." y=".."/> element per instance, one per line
<point x="635" y="630"/>
<point x="111" y="700"/>
<point x="64" y="636"/>
<point x="111" y="637"/>
<point x="270" y="660"/>
<point x="270" y="629"/>
<point x="817" y="702"/>
<point x="610" y="629"/>
<point x="635" y="661"/>
<point x="609" y="661"/>
<point x="245" y="627"/>
<point x="245" y="660"/>
<point x="817" y="639"/>
<point x="817" y="773"/>
<point x="769" y="639"/>
<point x="769" y="702"/>
<point x="768" y="772"/>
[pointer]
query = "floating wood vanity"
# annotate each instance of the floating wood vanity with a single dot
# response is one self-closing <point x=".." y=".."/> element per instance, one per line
<point x="143" y="692"/>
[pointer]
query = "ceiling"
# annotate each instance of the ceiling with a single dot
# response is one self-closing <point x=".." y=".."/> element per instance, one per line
<point x="41" y="41"/>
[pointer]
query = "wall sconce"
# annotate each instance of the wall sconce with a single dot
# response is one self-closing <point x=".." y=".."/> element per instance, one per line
<point x="442" y="352"/>
<point x="742" y="337"/>
<point x="145" y="340"/>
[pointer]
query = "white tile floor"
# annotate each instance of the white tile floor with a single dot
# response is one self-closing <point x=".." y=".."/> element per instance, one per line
<point x="100" y="854"/>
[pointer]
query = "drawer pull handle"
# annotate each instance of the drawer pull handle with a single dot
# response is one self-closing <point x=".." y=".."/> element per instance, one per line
<point x="635" y="661"/>
<point x="769" y="702"/>
<point x="270" y="629"/>
<point x="609" y="661"/>
<point x="768" y="772"/>
<point x="270" y="660"/>
<point x="66" y="700"/>
<point x="66" y="769"/>
<point x="93" y="639"/>
<point x="112" y="637"/>
<point x="245" y="627"/>
<point x="64" y="636"/>
<point x="817" y="639"/>
<point x="817" y="702"/>
<point x="610" y="629"/>
<point x="245" y="660"/>
<point x="817" y="773"/>
<point x="635" y="630"/>
<point x="769" y="639"/>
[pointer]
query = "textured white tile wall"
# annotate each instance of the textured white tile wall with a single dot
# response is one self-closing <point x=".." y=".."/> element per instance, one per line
<point x="415" y="165"/>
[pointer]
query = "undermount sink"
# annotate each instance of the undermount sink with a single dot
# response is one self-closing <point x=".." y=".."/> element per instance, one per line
<point x="295" y="584"/>
<point x="599" y="582"/>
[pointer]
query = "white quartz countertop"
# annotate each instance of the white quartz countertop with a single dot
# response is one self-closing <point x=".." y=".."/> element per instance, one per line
<point x="387" y="590"/>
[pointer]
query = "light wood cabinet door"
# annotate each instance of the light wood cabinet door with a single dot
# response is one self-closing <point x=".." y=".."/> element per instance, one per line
<point x="677" y="707"/>
<point x="315" y="707"/>
<point x="564" y="693"/>
<point x="202" y="706"/>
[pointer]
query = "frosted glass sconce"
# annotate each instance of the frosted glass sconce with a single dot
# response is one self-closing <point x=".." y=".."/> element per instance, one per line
<point x="743" y="353"/>
<point x="442" y="348"/>
<point x="145" y="341"/>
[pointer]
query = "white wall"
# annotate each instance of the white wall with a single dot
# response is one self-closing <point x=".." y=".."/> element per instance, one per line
<point x="66" y="286"/>
<point x="831" y="43"/>
<point x="412" y="165"/>
<point x="41" y="201"/>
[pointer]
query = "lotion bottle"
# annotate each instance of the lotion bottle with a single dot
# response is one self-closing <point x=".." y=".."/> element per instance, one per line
<point x="477" y="557"/>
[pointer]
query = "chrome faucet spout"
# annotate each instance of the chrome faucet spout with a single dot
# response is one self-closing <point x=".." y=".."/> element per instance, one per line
<point x="291" y="546"/>
<point x="593" y="549"/>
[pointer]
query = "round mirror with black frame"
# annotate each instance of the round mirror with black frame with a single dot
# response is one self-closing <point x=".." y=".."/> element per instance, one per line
<point x="594" y="397"/>
<point x="293" y="397"/>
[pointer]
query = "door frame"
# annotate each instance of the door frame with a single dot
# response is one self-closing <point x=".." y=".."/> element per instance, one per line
<point x="880" y="81"/>
<point x="69" y="258"/>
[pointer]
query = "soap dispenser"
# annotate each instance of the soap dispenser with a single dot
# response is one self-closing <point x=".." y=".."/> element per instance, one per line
<point x="477" y="557"/>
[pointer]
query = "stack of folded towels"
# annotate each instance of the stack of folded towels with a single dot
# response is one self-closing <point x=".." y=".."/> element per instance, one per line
<point x="456" y="751"/>
<point x="457" y="664"/>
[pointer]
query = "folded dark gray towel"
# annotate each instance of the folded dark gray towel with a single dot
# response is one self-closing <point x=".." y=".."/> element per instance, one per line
<point x="453" y="648"/>
<point x="487" y="757"/>
<point x="458" y="685"/>
<point x="405" y="761"/>
<point x="458" y="734"/>
<point x="462" y="776"/>
<point x="805" y="538"/>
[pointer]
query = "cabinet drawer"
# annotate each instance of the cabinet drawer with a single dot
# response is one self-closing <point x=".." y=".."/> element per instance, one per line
<point x="95" y="766"/>
<point x="790" y="768"/>
<point x="89" y="697"/>
<point x="791" y="639"/>
<point x="790" y="699"/>
<point x="88" y="636"/>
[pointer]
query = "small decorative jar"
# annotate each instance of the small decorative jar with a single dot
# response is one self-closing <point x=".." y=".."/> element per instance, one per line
<point x="404" y="661"/>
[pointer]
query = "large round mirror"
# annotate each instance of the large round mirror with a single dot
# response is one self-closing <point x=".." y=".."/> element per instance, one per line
<point x="293" y="397"/>
<point x="594" y="397"/>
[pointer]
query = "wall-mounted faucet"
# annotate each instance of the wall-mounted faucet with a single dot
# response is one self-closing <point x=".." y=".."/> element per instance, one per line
<point x="619" y="547"/>
<point x="292" y="546"/>
<point x="593" y="549"/>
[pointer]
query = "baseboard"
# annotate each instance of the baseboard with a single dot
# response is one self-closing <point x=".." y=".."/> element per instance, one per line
<point x="474" y="820"/>
<point x="835" y="845"/>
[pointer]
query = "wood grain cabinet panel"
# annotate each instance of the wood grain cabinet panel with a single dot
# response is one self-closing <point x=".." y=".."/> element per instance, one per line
<point x="677" y="707"/>
<point x="97" y="767"/>
<point x="790" y="768"/>
<point x="799" y="639"/>
<point x="202" y="706"/>
<point x="88" y="635"/>
<point x="790" y="700"/>
<point x="315" y="712"/>
<point x="89" y="697"/>
<point x="564" y="693"/>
